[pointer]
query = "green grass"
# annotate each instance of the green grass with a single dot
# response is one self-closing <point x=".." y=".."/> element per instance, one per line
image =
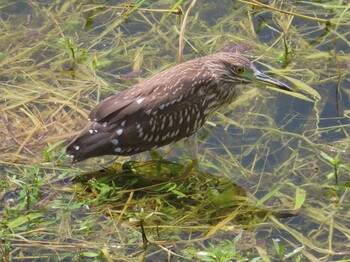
<point x="273" y="179"/>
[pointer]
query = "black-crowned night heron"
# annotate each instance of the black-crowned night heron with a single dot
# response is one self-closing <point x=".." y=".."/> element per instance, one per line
<point x="167" y="107"/>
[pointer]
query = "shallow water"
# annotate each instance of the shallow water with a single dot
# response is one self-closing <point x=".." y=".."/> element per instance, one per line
<point x="272" y="167"/>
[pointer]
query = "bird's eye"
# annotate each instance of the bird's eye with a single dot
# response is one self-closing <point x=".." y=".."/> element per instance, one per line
<point x="239" y="70"/>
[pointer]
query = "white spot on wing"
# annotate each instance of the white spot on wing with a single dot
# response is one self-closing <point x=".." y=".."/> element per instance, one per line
<point x="115" y="141"/>
<point x="140" y="132"/>
<point x="119" y="131"/>
<point x="195" y="124"/>
<point x="76" y="147"/>
<point x="117" y="150"/>
<point x="171" y="122"/>
<point x="180" y="98"/>
<point x="139" y="101"/>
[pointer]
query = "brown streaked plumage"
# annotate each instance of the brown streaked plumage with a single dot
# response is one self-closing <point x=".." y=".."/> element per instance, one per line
<point x="167" y="107"/>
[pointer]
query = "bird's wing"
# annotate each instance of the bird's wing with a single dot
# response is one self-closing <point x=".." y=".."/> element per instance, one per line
<point x="160" y="92"/>
<point x="113" y="105"/>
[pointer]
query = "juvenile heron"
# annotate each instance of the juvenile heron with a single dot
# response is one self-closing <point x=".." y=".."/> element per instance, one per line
<point x="167" y="107"/>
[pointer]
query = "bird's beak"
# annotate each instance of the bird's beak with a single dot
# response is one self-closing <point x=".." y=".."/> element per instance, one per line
<point x="262" y="78"/>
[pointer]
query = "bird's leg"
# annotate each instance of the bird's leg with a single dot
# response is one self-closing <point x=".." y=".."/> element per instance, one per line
<point x="191" y="146"/>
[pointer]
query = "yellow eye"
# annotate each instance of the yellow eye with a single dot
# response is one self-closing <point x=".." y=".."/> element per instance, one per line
<point x="239" y="70"/>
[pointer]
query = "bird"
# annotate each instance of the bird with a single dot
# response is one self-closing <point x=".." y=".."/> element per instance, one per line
<point x="167" y="107"/>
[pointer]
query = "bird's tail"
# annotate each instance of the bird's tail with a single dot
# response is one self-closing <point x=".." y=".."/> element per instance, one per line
<point x="89" y="144"/>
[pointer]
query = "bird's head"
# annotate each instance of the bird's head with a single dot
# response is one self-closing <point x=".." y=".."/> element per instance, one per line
<point x="237" y="70"/>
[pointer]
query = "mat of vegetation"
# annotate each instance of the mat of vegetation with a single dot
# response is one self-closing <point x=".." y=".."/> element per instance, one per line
<point x="274" y="168"/>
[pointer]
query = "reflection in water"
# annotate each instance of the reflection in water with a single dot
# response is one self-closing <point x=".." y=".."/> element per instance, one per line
<point x="153" y="190"/>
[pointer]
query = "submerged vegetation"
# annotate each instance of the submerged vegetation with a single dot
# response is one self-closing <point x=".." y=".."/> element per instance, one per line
<point x="273" y="182"/>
